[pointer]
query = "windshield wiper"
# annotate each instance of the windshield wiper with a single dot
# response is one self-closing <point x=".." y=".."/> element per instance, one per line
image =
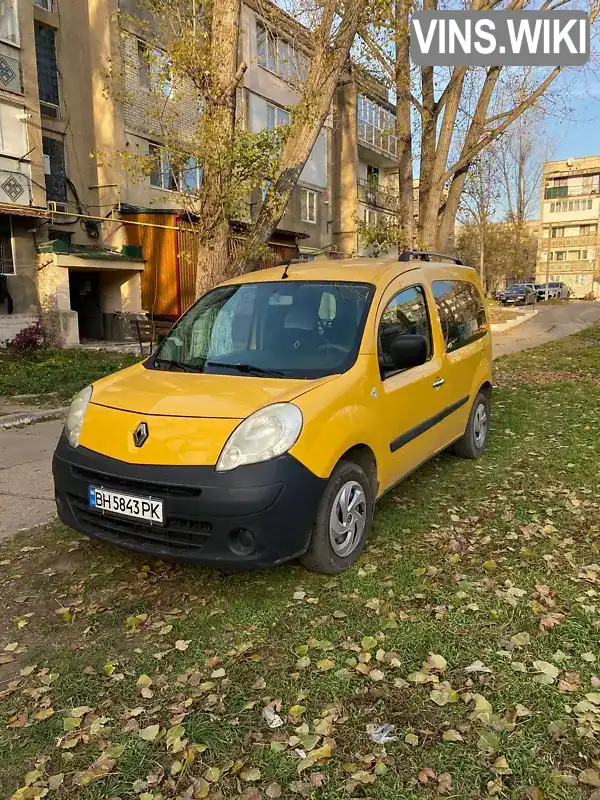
<point x="179" y="364"/>
<point x="248" y="369"/>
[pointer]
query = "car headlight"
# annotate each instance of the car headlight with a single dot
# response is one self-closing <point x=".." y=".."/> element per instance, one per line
<point x="266" y="434"/>
<point x="76" y="414"/>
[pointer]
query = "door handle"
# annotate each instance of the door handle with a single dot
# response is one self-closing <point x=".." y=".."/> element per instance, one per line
<point x="439" y="382"/>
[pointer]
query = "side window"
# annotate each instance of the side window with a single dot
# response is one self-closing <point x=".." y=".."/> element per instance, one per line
<point x="461" y="311"/>
<point x="405" y="313"/>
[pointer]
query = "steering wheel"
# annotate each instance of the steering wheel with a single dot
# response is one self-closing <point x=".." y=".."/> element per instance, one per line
<point x="331" y="346"/>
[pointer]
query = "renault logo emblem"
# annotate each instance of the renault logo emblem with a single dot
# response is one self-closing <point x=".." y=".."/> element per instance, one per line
<point x="140" y="434"/>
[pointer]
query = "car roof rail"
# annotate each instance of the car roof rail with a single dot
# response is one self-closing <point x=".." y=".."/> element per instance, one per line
<point x="425" y="255"/>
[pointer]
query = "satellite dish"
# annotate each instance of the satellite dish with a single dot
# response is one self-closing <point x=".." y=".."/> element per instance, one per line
<point x="570" y="162"/>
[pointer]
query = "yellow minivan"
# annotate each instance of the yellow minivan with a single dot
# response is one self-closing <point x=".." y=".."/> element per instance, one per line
<point x="278" y="409"/>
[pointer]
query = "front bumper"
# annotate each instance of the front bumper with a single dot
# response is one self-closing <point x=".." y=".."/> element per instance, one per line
<point x="275" y="501"/>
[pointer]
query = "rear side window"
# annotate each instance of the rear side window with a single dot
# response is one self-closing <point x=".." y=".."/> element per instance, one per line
<point x="461" y="311"/>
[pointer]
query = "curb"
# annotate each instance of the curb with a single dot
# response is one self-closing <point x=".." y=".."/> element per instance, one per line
<point x="20" y="419"/>
<point x="500" y="327"/>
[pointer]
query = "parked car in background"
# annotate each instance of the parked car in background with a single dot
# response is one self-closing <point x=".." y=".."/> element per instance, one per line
<point x="519" y="293"/>
<point x="556" y="291"/>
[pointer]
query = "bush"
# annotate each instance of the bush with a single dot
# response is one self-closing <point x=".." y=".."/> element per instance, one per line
<point x="29" y="340"/>
<point x="590" y="296"/>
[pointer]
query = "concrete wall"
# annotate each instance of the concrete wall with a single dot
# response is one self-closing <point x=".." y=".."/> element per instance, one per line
<point x="577" y="274"/>
<point x="11" y="325"/>
<point x="23" y="284"/>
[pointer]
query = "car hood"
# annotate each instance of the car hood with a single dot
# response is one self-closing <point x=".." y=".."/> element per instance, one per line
<point x="187" y="394"/>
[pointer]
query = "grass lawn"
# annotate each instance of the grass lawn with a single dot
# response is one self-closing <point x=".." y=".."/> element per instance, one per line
<point x="60" y="373"/>
<point x="470" y="624"/>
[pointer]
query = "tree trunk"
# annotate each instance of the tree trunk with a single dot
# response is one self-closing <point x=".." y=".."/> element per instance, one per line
<point x="473" y="136"/>
<point x="328" y="60"/>
<point x="213" y="260"/>
<point x="406" y="205"/>
<point x="219" y="120"/>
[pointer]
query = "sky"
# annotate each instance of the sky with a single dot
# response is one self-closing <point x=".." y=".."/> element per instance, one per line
<point x="574" y="122"/>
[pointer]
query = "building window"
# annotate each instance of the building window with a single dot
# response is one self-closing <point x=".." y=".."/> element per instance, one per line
<point x="561" y="255"/>
<point x="61" y="236"/>
<point x="56" y="173"/>
<point x="7" y="264"/>
<point x="9" y="21"/>
<point x="45" y="4"/>
<point x="308" y="205"/>
<point x="376" y="125"/>
<point x="277" y="117"/>
<point x="191" y="176"/>
<point x="279" y="56"/>
<point x="588" y="230"/>
<point x="370" y="217"/>
<point x="46" y="65"/>
<point x="558" y="233"/>
<point x="162" y="175"/>
<point x="154" y="71"/>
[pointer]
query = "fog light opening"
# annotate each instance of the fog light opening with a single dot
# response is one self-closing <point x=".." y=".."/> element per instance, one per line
<point x="242" y="542"/>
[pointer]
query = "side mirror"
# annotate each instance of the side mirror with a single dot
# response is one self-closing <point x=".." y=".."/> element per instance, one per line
<point x="408" y="350"/>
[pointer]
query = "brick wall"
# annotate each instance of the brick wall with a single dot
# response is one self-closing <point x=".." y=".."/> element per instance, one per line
<point x="141" y="106"/>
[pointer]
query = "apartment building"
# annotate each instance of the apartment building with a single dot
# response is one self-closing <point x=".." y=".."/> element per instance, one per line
<point x="570" y="214"/>
<point x="82" y="241"/>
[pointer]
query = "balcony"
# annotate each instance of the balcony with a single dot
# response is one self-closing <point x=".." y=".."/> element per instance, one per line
<point x="377" y="196"/>
<point x="578" y="189"/>
<point x="568" y="242"/>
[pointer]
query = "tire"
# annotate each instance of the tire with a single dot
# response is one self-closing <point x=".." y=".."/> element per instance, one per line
<point x="321" y="555"/>
<point x="473" y="444"/>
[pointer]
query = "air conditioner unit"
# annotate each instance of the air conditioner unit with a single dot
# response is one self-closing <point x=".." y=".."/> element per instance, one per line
<point x="53" y="206"/>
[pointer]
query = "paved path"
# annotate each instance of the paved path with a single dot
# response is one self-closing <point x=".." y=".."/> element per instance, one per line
<point x="552" y="322"/>
<point x="26" y="494"/>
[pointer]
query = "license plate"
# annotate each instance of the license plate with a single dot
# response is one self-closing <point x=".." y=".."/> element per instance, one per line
<point x="127" y="505"/>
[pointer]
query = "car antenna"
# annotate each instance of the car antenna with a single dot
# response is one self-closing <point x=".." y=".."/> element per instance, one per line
<point x="287" y="264"/>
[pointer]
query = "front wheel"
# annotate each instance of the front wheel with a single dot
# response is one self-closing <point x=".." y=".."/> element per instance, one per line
<point x="473" y="442"/>
<point x="343" y="521"/>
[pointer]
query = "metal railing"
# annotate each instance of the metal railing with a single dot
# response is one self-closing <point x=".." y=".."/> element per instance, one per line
<point x="377" y="196"/>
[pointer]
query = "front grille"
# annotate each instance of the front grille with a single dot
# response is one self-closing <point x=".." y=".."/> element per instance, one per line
<point x="176" y="536"/>
<point x="133" y="485"/>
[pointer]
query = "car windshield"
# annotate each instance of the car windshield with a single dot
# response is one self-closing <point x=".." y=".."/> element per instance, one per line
<point x="292" y="329"/>
<point x="518" y="288"/>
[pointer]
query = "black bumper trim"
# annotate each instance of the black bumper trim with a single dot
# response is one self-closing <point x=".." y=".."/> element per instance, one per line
<point x="276" y="501"/>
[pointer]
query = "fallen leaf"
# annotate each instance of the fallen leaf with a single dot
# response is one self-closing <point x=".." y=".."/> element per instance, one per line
<point x="425" y="775"/>
<point x="149" y="733"/>
<point x="325" y="664"/>
<point x="452" y="736"/>
<point x="273" y="790"/>
<point x="477" y="666"/>
<point x="444" y="783"/>
<point x="589" y="777"/>
<point x="250" y="775"/>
